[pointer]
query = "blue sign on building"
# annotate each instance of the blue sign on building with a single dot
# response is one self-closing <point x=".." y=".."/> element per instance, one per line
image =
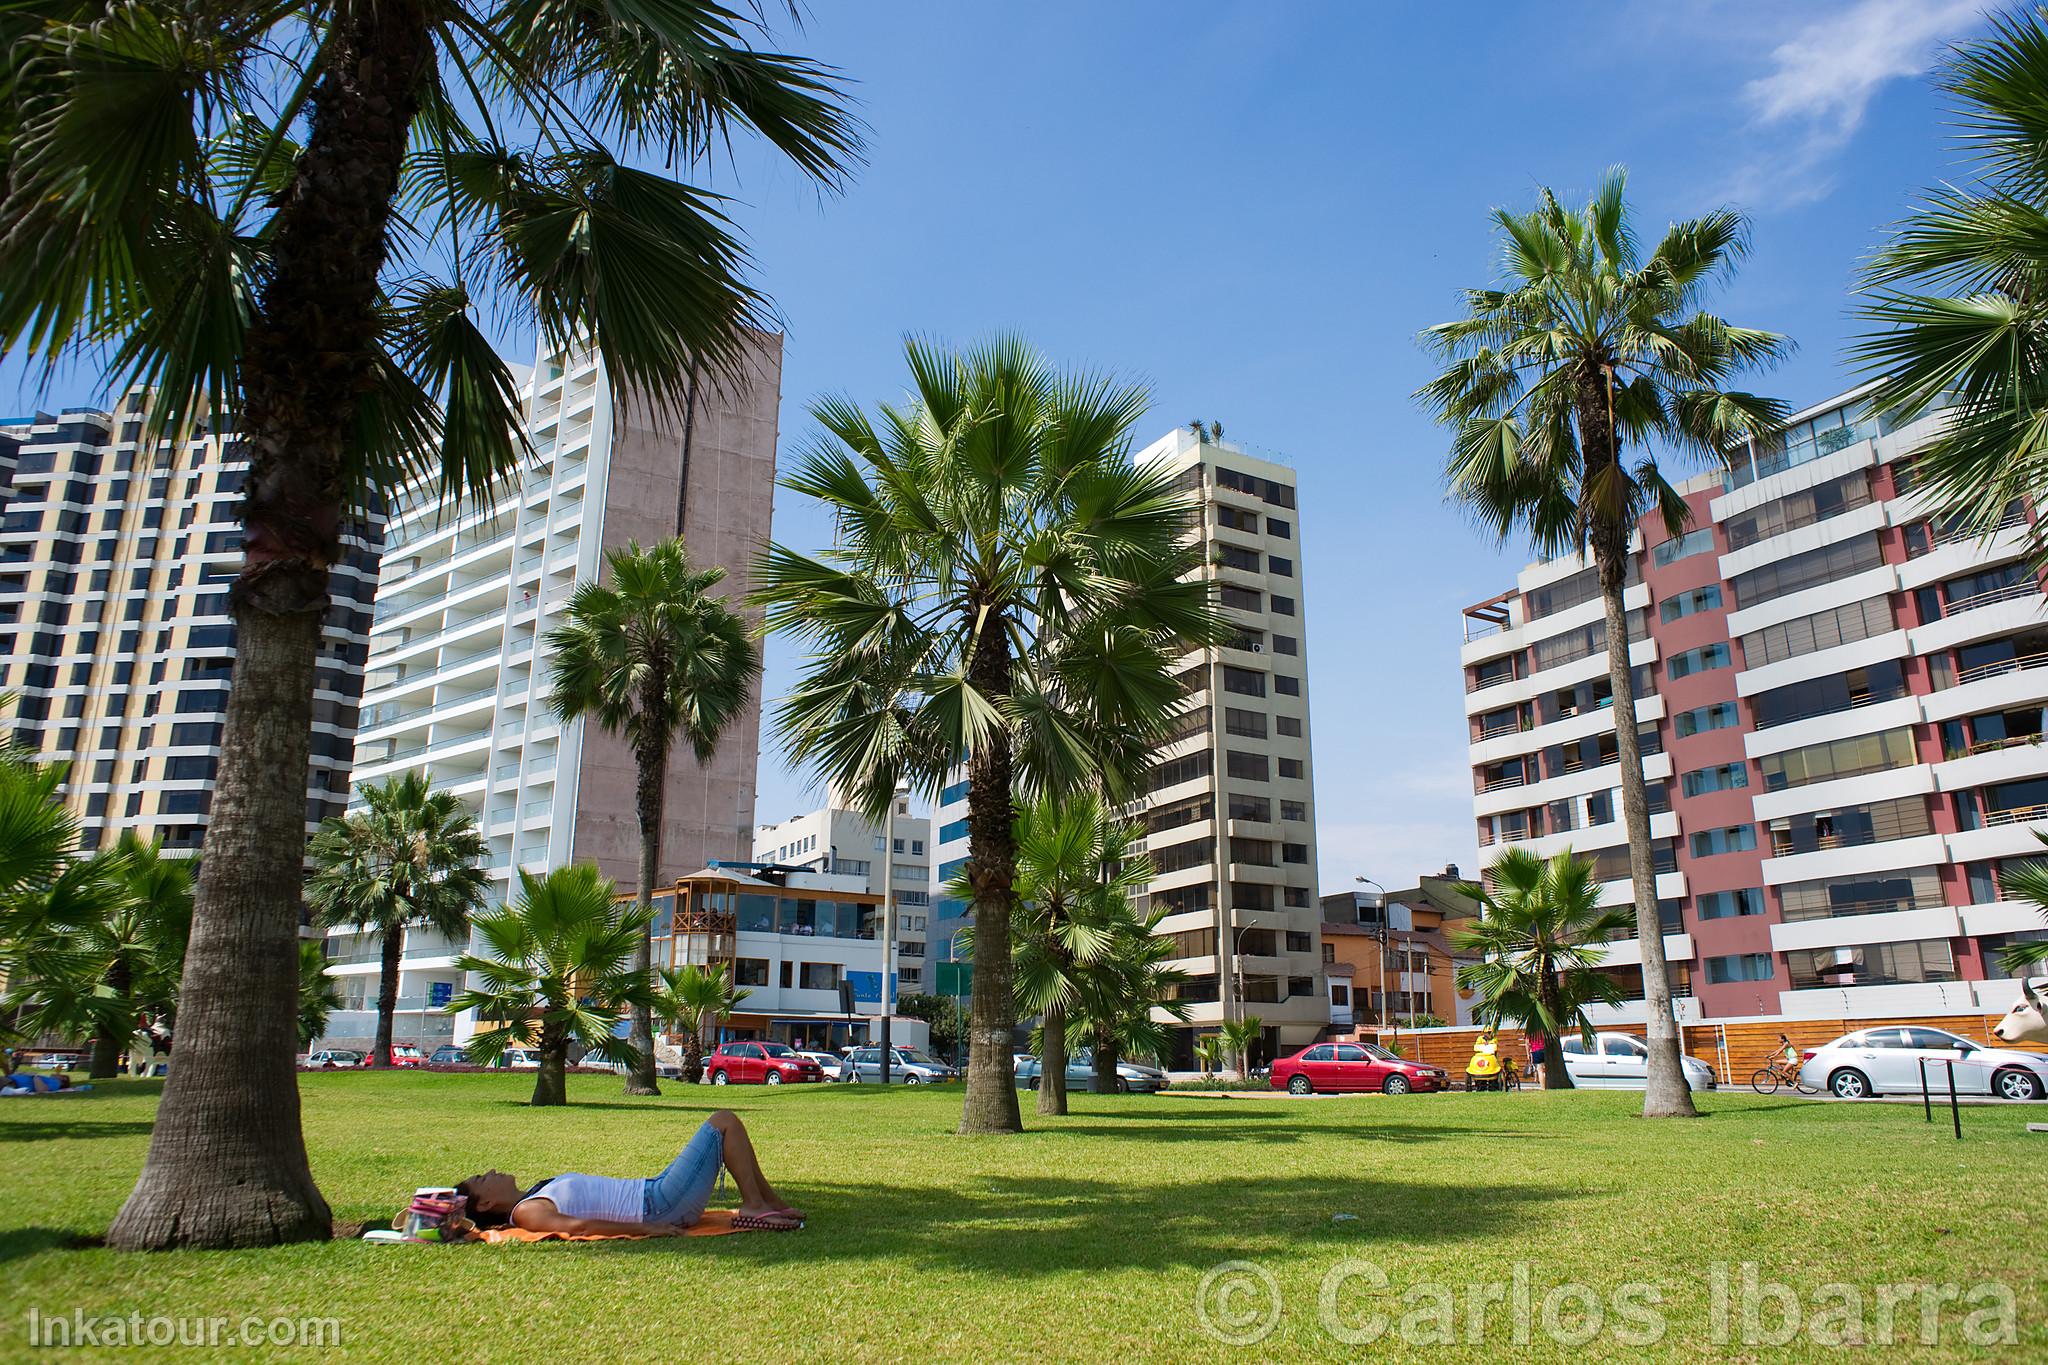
<point x="439" y="993"/>
<point x="867" y="988"/>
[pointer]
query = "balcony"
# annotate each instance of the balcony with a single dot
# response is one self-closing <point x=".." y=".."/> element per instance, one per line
<point x="2009" y="593"/>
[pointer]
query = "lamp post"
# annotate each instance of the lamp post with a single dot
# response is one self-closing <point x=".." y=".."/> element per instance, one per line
<point x="889" y="922"/>
<point x="1386" y="996"/>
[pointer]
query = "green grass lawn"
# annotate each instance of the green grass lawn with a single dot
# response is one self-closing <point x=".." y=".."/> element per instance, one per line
<point x="1086" y="1238"/>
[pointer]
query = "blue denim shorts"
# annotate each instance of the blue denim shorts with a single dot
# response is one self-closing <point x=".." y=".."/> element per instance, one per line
<point x="679" y="1194"/>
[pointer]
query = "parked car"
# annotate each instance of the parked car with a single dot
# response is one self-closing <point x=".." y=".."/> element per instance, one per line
<point x="1877" y="1061"/>
<point x="758" y="1063"/>
<point x="833" y="1067"/>
<point x="449" y="1055"/>
<point x="402" y="1055"/>
<point x="519" y="1059"/>
<point x="1332" y="1068"/>
<point x="909" y="1067"/>
<point x="1621" y="1061"/>
<point x="1131" y="1077"/>
<point x="334" y="1059"/>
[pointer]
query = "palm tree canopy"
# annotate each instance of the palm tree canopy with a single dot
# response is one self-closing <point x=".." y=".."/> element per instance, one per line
<point x="997" y="509"/>
<point x="691" y="994"/>
<point x="561" y="956"/>
<point x="1959" y="296"/>
<point x="653" y="653"/>
<point x="413" y="856"/>
<point x="1582" y="314"/>
<point x="152" y="149"/>
<point x="319" y="996"/>
<point x="1543" y="919"/>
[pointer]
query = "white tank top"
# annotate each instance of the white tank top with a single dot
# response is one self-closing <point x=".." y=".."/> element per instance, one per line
<point x="613" y="1198"/>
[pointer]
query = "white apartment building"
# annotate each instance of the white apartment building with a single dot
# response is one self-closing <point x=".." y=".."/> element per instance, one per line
<point x="458" y="670"/>
<point x="836" y="840"/>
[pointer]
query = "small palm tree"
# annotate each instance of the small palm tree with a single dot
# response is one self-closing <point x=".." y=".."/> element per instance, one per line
<point x="688" y="1000"/>
<point x="319" y="997"/>
<point x="1556" y="384"/>
<point x="1540" y="934"/>
<point x="653" y="656"/>
<point x="2027" y="882"/>
<point x="1209" y="1054"/>
<point x="1959" y="294"/>
<point x="329" y="203"/>
<point x="1008" y="590"/>
<point x="1129" y="998"/>
<point x="1237" y="1037"/>
<point x="411" y="859"/>
<point x="559" y="971"/>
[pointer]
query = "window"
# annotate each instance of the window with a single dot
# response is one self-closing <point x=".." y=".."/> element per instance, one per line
<point x="1839" y="758"/>
<point x="1340" y="994"/>
<point x="1236" y="557"/>
<point x="1727" y="904"/>
<point x="1683" y="547"/>
<point x="1286" y="644"/>
<point x="1244" y="681"/>
<point x="1721" y="778"/>
<point x="1282" y="606"/>
<point x="1688" y="603"/>
<point x="1825" y="696"/>
<point x="1175" y="771"/>
<point x="1249" y="724"/>
<point x="820" y="976"/>
<point x="1739" y="967"/>
<point x="916" y="845"/>
<point x="1243" y="599"/>
<point x="1286" y="686"/>
<point x="1803" y="508"/>
<point x="1868" y="894"/>
<point x="1702" y="660"/>
<point x="1822" y="630"/>
<point x="1294" y="853"/>
<point x="1250" y="767"/>
<point x="750" y="971"/>
<point x="1294" y="810"/>
<point x="1872" y="964"/>
<point x="956" y="791"/>
<point x="1801" y="571"/>
<point x="1277" y="565"/>
<point x="1288" y="725"/>
<point x="1732" y="839"/>
<point x="1719" y="716"/>
<point x="1278" y="528"/>
<point x="1290" y="767"/>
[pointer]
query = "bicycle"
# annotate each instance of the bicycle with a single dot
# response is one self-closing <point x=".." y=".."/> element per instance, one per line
<point x="1781" y="1070"/>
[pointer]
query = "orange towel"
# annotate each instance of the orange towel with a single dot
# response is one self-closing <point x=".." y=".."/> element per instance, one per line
<point x="714" y="1223"/>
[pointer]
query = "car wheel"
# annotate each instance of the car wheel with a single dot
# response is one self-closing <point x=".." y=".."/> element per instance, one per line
<point x="1396" y="1085"/>
<point x="912" y="1078"/>
<point x="1123" y="1087"/>
<point x="1299" y="1085"/>
<point x="719" y="1078"/>
<point x="2014" y="1084"/>
<point x="1850" y="1084"/>
<point x="773" y="1078"/>
<point x="1031" y="1084"/>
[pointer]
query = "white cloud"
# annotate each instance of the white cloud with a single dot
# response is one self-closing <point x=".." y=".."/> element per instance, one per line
<point x="1821" y="83"/>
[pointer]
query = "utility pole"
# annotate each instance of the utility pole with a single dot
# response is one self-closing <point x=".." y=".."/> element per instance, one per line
<point x="889" y="922"/>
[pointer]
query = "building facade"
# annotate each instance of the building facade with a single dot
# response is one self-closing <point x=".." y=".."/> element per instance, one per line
<point x="116" y="558"/>
<point x="1390" y="960"/>
<point x="1840" y="700"/>
<point x="837" y="840"/>
<point x="459" y="665"/>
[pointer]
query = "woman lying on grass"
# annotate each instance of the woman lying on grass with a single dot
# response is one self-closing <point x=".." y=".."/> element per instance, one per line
<point x="659" y="1206"/>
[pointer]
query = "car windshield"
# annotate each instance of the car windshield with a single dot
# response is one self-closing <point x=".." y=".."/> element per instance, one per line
<point x="911" y="1055"/>
<point x="779" y="1050"/>
<point x="1379" y="1053"/>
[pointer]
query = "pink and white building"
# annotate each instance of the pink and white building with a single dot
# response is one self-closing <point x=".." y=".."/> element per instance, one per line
<point x="1840" y="702"/>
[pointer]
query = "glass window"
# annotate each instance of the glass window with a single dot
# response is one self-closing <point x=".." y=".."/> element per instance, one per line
<point x="1689" y="603"/>
<point x="1739" y="967"/>
<point x="1727" y="904"/>
<point x="1701" y="660"/>
<point x="1732" y="839"/>
<point x="1350" y="1052"/>
<point x="1683" y="547"/>
<point x="1719" y="716"/>
<point x="1320" y="1053"/>
<point x="756" y="913"/>
<point x="1720" y="778"/>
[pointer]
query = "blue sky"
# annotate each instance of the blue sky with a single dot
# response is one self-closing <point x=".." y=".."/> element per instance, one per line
<point x="1254" y="207"/>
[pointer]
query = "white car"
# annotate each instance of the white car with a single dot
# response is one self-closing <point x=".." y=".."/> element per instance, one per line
<point x="833" y="1067"/>
<point x="1878" y="1061"/>
<point x="1621" y="1061"/>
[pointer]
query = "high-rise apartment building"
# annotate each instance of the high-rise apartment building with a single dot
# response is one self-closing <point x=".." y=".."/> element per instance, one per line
<point x="116" y="557"/>
<point x="1840" y="701"/>
<point x="459" y="667"/>
<point x="1229" y="802"/>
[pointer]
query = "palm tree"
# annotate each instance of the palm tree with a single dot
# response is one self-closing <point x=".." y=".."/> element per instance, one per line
<point x="1541" y="932"/>
<point x="411" y="859"/>
<point x="1075" y="878"/>
<point x="688" y="999"/>
<point x="1008" y="592"/>
<point x="1959" y="295"/>
<point x="1237" y="1037"/>
<point x="2028" y="881"/>
<point x="559" y="972"/>
<point x="1209" y="1054"/>
<point x="1584" y="356"/>
<point x="650" y="657"/>
<point x="301" y="251"/>
<point x="318" y="995"/>
<point x="1125" y="993"/>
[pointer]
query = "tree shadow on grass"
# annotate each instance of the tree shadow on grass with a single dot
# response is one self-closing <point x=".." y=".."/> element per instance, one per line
<point x="1024" y="1226"/>
<point x="51" y="1130"/>
<point x="20" y="1243"/>
<point x="1248" y="1128"/>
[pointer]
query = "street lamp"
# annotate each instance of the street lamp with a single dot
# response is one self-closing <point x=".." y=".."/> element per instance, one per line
<point x="1386" y="996"/>
<point x="889" y="921"/>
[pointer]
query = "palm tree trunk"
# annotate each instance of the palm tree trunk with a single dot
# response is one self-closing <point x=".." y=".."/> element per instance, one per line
<point x="387" y="993"/>
<point x="1555" y="1077"/>
<point x="693" y="1056"/>
<point x="108" y="1041"/>
<point x="1105" y="1060"/>
<point x="551" y="1082"/>
<point x="1052" y="1068"/>
<point x="652" y="758"/>
<point x="991" y="1103"/>
<point x="1665" y="1094"/>
<point x="227" y="1158"/>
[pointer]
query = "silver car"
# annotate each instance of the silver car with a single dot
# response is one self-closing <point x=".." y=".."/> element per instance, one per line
<point x="909" y="1067"/>
<point x="1877" y="1061"/>
<point x="1621" y="1061"/>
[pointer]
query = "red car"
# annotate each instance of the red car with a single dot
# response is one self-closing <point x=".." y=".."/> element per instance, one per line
<point x="1330" y="1067"/>
<point x="760" y="1064"/>
<point x="402" y="1055"/>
